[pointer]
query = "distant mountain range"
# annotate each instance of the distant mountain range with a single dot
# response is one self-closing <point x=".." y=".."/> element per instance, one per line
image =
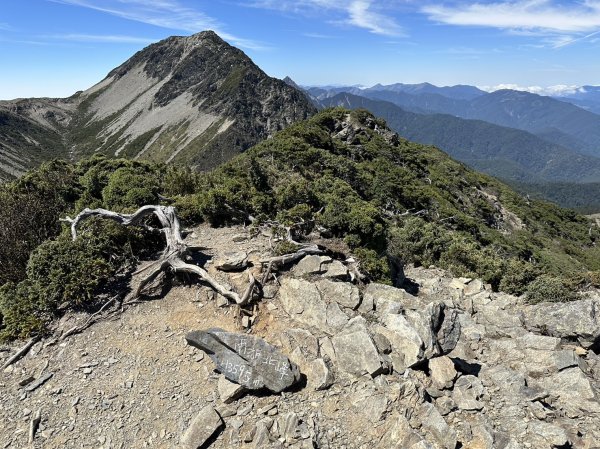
<point x="195" y="100"/>
<point x="541" y="145"/>
<point x="586" y="97"/>
<point x="557" y="121"/>
<point x="508" y="153"/>
<point x="199" y="101"/>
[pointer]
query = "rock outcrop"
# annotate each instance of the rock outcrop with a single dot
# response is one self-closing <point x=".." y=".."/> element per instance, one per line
<point x="367" y="366"/>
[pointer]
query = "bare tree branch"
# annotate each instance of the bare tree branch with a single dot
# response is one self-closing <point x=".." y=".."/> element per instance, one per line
<point x="173" y="257"/>
<point x="21" y="352"/>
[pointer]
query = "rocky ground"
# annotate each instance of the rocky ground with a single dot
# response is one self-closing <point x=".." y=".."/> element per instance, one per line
<point x="452" y="365"/>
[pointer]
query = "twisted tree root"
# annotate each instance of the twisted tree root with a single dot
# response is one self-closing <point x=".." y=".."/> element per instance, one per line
<point x="176" y="250"/>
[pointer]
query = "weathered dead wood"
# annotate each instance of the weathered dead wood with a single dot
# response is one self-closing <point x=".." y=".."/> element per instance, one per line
<point x="34" y="424"/>
<point x="91" y="320"/>
<point x="293" y="257"/>
<point x="21" y="352"/>
<point x="176" y="250"/>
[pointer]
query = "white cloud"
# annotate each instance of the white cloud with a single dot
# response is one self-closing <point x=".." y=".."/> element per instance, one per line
<point x="169" y="14"/>
<point x="115" y="38"/>
<point x="362" y="16"/>
<point x="365" y="14"/>
<point x="318" y="36"/>
<point x="544" y="15"/>
<point x="561" y="24"/>
<point x="557" y="90"/>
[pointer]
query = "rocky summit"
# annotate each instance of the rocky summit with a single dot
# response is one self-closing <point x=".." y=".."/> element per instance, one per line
<point x="194" y="100"/>
<point x="445" y="364"/>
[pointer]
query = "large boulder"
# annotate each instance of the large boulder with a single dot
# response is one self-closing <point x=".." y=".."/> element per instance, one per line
<point x="419" y="335"/>
<point x="246" y="360"/>
<point x="575" y="320"/>
<point x="203" y="426"/>
<point x="356" y="353"/>
<point x="302" y="301"/>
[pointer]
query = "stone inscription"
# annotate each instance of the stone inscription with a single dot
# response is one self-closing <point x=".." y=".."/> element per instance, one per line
<point x="247" y="360"/>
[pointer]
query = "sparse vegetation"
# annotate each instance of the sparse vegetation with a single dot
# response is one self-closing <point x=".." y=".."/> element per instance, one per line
<point x="342" y="173"/>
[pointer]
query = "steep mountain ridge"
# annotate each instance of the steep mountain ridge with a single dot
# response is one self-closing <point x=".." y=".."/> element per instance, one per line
<point x="195" y="100"/>
<point x="31" y="130"/>
<point x="539" y="115"/>
<point x="481" y="144"/>
<point x="556" y="120"/>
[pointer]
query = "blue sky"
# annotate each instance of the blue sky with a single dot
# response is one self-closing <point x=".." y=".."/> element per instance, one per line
<point x="56" y="47"/>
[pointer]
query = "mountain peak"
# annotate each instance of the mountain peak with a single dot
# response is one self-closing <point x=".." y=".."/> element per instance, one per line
<point x="190" y="99"/>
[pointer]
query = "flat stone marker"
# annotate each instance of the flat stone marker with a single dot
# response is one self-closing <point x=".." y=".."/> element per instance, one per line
<point x="247" y="360"/>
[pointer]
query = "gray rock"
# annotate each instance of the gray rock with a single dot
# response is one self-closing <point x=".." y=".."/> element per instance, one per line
<point x="372" y="405"/>
<point x="356" y="324"/>
<point x="435" y="426"/>
<point x="473" y="287"/>
<point x="568" y="320"/>
<point x="540" y="342"/>
<point x="448" y="334"/>
<point x="565" y="359"/>
<point x="574" y="390"/>
<point x="407" y="347"/>
<point x="500" y="322"/>
<point x="326" y="349"/>
<point x="399" y="435"/>
<point x="445" y="405"/>
<point x="232" y="261"/>
<point x="342" y="293"/>
<point x="438" y="326"/>
<point x="553" y="435"/>
<point x="319" y="375"/>
<point x="202" y="427"/>
<point x="442" y="372"/>
<point x="356" y="354"/>
<point x="302" y="301"/>
<point x="229" y="391"/>
<point x="39" y="382"/>
<point x="467" y="392"/>
<point x="262" y="435"/>
<point x="300" y="338"/>
<point x="246" y="360"/>
<point x="311" y="265"/>
<point x="386" y="299"/>
<point x="336" y="319"/>
<point x="336" y="270"/>
<point x="382" y="343"/>
<point x="288" y="424"/>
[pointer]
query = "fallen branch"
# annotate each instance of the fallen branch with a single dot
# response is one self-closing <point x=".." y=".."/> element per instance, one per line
<point x="176" y="251"/>
<point x="21" y="352"/>
<point x="91" y="320"/>
<point x="34" y="424"/>
<point x="293" y="257"/>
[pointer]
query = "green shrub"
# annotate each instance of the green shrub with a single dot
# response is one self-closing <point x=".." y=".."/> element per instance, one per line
<point x="64" y="274"/>
<point x="22" y="311"/>
<point x="418" y="242"/>
<point x="517" y="275"/>
<point x="180" y="181"/>
<point x="68" y="271"/>
<point x="375" y="266"/>
<point x="549" y="289"/>
<point x="128" y="189"/>
<point x="30" y="209"/>
<point x="585" y="280"/>
<point x="188" y="209"/>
